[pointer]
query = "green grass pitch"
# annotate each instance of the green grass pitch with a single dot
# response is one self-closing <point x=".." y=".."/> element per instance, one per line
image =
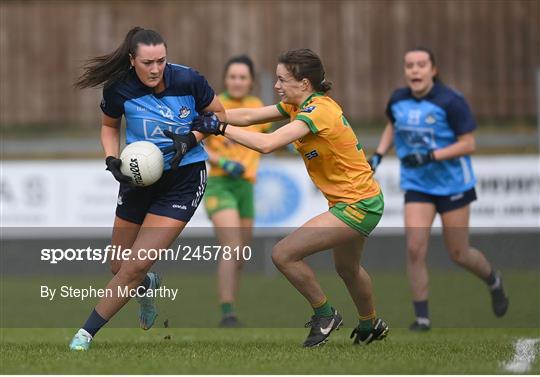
<point x="467" y="338"/>
<point x="260" y="351"/>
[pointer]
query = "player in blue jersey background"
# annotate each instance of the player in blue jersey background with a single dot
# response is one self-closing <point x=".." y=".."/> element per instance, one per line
<point x="431" y="127"/>
<point x="159" y="101"/>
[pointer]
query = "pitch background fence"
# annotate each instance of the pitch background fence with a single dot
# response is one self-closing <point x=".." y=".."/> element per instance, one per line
<point x="488" y="49"/>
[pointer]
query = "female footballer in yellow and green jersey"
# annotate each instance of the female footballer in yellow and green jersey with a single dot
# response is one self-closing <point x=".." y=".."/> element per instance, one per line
<point x="229" y="192"/>
<point x="337" y="165"/>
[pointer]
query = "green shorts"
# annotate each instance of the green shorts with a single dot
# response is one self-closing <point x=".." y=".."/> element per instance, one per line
<point x="227" y="192"/>
<point x="363" y="215"/>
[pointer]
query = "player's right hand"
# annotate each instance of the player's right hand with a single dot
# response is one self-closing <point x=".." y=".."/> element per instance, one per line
<point x="233" y="168"/>
<point x="374" y="161"/>
<point x="113" y="165"/>
<point x="208" y="123"/>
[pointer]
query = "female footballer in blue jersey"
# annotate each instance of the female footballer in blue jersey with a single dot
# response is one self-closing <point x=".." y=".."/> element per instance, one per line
<point x="160" y="102"/>
<point x="431" y="127"/>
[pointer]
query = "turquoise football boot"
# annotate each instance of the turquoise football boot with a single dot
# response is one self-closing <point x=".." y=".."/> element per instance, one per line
<point x="81" y="341"/>
<point x="147" y="309"/>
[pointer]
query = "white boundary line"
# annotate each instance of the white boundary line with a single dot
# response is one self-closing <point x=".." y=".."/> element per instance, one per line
<point x="525" y="351"/>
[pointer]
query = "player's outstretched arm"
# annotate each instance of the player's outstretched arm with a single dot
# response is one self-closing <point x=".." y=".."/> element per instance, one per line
<point x="266" y="143"/>
<point x="248" y="116"/>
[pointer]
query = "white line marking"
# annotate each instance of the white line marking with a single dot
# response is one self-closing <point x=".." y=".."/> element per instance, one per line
<point x="524" y="355"/>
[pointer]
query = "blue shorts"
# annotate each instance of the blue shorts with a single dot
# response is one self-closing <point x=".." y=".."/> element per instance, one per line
<point x="443" y="203"/>
<point x="176" y="194"/>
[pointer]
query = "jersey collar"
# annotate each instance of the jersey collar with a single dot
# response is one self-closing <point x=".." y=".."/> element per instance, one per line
<point x="435" y="89"/>
<point x="316" y="94"/>
<point x="226" y="95"/>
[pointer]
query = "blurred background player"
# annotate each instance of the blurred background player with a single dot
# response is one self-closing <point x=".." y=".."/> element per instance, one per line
<point x="229" y="198"/>
<point x="337" y="165"/>
<point x="161" y="100"/>
<point x="432" y="128"/>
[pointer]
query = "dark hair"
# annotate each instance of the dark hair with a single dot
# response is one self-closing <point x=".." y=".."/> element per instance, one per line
<point x="431" y="56"/>
<point x="113" y="67"/>
<point x="304" y="63"/>
<point x="240" y="59"/>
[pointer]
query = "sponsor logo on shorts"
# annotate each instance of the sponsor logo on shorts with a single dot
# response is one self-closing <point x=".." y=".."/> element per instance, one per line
<point x="453" y="198"/>
<point x="119" y="200"/>
<point x="212" y="202"/>
<point x="179" y="206"/>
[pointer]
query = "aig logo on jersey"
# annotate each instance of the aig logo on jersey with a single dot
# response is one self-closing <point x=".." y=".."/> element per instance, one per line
<point x="184" y="112"/>
<point x="311" y="154"/>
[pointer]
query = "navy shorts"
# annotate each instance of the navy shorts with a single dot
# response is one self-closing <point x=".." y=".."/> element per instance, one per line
<point x="443" y="203"/>
<point x="176" y="194"/>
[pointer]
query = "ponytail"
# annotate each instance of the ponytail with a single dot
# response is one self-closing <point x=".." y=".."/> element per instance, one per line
<point x="108" y="69"/>
<point x="324" y="86"/>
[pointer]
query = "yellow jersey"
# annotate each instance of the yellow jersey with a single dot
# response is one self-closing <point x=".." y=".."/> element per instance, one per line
<point x="232" y="150"/>
<point x="334" y="159"/>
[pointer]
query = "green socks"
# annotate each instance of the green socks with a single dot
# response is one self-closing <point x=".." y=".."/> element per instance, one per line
<point x="323" y="309"/>
<point x="366" y="322"/>
<point x="226" y="308"/>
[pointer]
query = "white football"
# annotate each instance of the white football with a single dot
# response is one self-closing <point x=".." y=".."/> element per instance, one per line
<point x="143" y="162"/>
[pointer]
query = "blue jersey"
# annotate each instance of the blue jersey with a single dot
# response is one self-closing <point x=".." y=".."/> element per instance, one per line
<point x="147" y="114"/>
<point x="432" y="122"/>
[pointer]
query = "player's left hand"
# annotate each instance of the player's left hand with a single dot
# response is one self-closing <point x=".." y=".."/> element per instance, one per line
<point x="208" y="123"/>
<point x="374" y="161"/>
<point x="418" y="159"/>
<point x="181" y="144"/>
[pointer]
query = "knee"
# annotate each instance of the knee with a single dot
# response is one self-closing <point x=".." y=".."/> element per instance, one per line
<point x="458" y="255"/>
<point x="115" y="267"/>
<point x="279" y="256"/>
<point x="416" y="252"/>
<point x="132" y="272"/>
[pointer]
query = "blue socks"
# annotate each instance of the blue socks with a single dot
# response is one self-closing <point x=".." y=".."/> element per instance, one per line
<point x="94" y="323"/>
<point x="421" y="309"/>
<point x="492" y="281"/>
